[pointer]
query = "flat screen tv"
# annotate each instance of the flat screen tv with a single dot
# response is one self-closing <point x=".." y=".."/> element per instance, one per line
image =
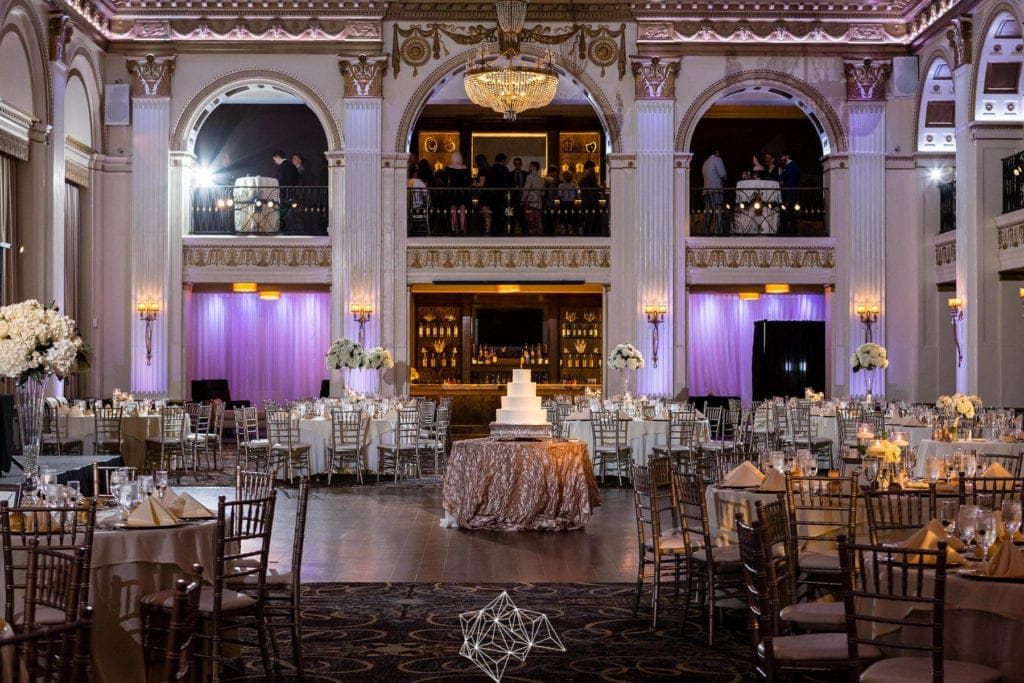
<point x="509" y="326"/>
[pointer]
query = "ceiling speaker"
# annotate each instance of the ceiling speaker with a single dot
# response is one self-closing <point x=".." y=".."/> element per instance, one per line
<point x="904" y="76"/>
<point x="116" y="109"/>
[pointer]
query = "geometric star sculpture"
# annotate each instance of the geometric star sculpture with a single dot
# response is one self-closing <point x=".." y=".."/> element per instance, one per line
<point x="491" y="636"/>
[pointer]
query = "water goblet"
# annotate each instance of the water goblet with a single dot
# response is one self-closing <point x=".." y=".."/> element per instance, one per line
<point x="970" y="465"/>
<point x="933" y="467"/>
<point x="146" y="485"/>
<point x="114" y="481"/>
<point x="986" y="531"/>
<point x="74" y="492"/>
<point x="126" y="495"/>
<point x="53" y="495"/>
<point x="966" y="522"/>
<point x="160" y="481"/>
<point x="1011" y="517"/>
<point x="871" y="470"/>
<point x="947" y="515"/>
<point x="778" y="461"/>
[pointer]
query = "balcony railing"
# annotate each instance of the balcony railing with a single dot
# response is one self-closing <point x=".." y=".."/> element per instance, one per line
<point x="947" y="207"/>
<point x="1013" y="182"/>
<point x="481" y="212"/>
<point x="759" y="209"/>
<point x="228" y="210"/>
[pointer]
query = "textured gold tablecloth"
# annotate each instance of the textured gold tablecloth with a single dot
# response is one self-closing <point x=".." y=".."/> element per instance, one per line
<point x="516" y="485"/>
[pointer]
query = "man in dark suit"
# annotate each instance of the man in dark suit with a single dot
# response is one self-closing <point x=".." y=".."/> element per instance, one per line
<point x="287" y="177"/>
<point x="518" y="180"/>
<point x="501" y="181"/>
<point x="789" y="181"/>
<point x="590" y="194"/>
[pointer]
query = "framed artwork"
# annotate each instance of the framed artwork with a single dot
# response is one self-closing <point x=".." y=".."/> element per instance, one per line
<point x="437" y="147"/>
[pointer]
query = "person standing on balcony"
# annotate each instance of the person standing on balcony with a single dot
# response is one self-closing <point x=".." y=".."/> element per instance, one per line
<point x="299" y="162"/>
<point x="500" y="183"/>
<point x="519" y="176"/>
<point x="458" y="178"/>
<point x="789" y="181"/>
<point x="714" y="198"/>
<point x="533" y="199"/>
<point x="287" y="177"/>
<point x="590" y="194"/>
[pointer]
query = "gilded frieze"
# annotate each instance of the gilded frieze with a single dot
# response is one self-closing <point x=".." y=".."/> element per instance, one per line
<point x="258" y="256"/>
<point x="760" y="257"/>
<point x="454" y="258"/>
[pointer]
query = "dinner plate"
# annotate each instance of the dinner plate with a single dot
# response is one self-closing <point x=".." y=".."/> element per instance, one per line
<point x="976" y="576"/>
<point x="738" y="488"/>
<point x="121" y="525"/>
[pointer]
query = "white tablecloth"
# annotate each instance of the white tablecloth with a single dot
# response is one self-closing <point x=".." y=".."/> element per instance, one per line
<point x="747" y="221"/>
<point x="249" y="218"/>
<point x="827" y="427"/>
<point x="943" y="450"/>
<point x="317" y="433"/>
<point x="134" y="432"/>
<point x="641" y="435"/>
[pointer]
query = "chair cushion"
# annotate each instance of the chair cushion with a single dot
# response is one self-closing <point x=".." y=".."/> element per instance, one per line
<point x="816" y="616"/>
<point x="672" y="542"/>
<point x="908" y="669"/>
<point x="230" y="600"/>
<point x="258" y="443"/>
<point x="813" y="647"/>
<point x="812" y="561"/>
<point x="298" y="446"/>
<point x="275" y="578"/>
<point x="720" y="554"/>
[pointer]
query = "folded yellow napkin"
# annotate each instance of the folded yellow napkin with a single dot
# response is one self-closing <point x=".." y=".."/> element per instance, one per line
<point x="928" y="537"/>
<point x="911" y="421"/>
<point x="744" y="474"/>
<point x="171" y="500"/>
<point x="38" y="520"/>
<point x="192" y="508"/>
<point x="996" y="470"/>
<point x="774" y="481"/>
<point x="1006" y="561"/>
<point x="151" y="513"/>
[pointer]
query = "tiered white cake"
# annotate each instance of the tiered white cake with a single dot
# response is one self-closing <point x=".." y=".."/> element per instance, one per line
<point x="521" y="406"/>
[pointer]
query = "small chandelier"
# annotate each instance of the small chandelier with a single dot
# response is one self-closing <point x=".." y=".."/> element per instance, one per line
<point x="506" y="83"/>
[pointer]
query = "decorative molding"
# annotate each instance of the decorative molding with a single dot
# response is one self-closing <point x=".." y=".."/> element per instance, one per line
<point x="1010" y="237"/>
<point x="506" y="258"/>
<point x="151" y="76"/>
<point x="279" y="29"/>
<point x="865" y="81"/>
<point x="262" y="256"/>
<point x="76" y="173"/>
<point x="654" y="80"/>
<point x="14" y="146"/>
<point x="365" y="76"/>
<point x="768" y="31"/>
<point x="421" y="44"/>
<point x="959" y="35"/>
<point x="945" y="252"/>
<point x="60" y="29"/>
<point x="761" y="257"/>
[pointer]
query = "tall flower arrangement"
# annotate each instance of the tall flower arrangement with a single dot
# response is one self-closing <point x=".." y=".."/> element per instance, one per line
<point x="959" y="405"/>
<point x="870" y="356"/>
<point x="36" y="341"/>
<point x="627" y="359"/>
<point x="379" y="358"/>
<point x="345" y="353"/>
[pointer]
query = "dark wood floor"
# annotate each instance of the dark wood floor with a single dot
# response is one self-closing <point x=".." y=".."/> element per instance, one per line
<point x="372" y="534"/>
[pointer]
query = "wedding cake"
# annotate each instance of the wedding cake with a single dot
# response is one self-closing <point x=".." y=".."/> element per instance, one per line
<point x="521" y="406"/>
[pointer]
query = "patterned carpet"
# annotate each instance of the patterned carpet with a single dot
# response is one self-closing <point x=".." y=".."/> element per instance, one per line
<point x="411" y="632"/>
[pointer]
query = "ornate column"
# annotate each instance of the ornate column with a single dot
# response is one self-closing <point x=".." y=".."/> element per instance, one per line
<point x="654" y="234"/>
<point x="150" y="230"/>
<point x="970" y="200"/>
<point x="679" y="301"/>
<point x="864" y="242"/>
<point x="362" y="230"/>
<point x="179" y="185"/>
<point x="336" y="192"/>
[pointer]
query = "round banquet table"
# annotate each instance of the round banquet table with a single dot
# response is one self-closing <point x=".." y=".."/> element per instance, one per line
<point x="641" y="435"/>
<point x="317" y="433"/>
<point x="943" y="450"/>
<point x="517" y="485"/>
<point x="135" y="429"/>
<point x="827" y="427"/>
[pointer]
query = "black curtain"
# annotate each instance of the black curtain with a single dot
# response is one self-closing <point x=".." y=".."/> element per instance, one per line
<point x="788" y="356"/>
<point x="6" y="432"/>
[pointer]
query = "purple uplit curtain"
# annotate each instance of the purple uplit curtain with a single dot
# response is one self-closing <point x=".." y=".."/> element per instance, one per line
<point x="721" y="332"/>
<point x="266" y="349"/>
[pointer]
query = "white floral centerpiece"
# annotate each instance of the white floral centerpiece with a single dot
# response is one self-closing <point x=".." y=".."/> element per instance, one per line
<point x="379" y="358"/>
<point x="870" y="356"/>
<point x="959" y="405"/>
<point x="345" y="353"/>
<point x="627" y="359"/>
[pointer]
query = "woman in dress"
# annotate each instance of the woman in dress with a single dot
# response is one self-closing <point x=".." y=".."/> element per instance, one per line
<point x="458" y="179"/>
<point x="483" y="173"/>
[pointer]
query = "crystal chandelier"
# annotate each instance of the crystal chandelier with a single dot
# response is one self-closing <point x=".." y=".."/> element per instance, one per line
<point x="506" y="83"/>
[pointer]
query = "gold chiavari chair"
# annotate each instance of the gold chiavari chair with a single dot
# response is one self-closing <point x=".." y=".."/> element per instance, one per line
<point x="54" y="654"/>
<point x="286" y="448"/>
<point x="166" y="451"/>
<point x="345" y="448"/>
<point x="107" y="430"/>
<point x="895" y="515"/>
<point x="679" y="447"/>
<point x="820" y="508"/>
<point x="253" y="451"/>
<point x="610" y="444"/>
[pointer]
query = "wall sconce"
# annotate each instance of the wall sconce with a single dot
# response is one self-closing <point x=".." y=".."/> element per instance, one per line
<point x="1020" y="295"/>
<point x="361" y="313"/>
<point x="956" y="314"/>
<point x="147" y="313"/>
<point x="869" y="316"/>
<point x="655" y="316"/>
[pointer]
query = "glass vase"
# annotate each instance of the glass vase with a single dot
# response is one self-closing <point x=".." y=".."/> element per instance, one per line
<point x="28" y="396"/>
<point x="869" y="397"/>
<point x="627" y="380"/>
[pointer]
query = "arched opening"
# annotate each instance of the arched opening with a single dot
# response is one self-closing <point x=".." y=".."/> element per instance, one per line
<point x="936" y="122"/>
<point x="1000" y="77"/>
<point x="17" y="82"/>
<point x="260" y="165"/>
<point x="567" y="141"/>
<point x="757" y="154"/>
<point x="77" y="112"/>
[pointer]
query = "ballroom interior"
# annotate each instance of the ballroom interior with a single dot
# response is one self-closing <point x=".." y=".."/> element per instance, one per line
<point x="140" y="194"/>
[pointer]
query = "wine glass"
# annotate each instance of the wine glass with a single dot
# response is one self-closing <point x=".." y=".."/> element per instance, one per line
<point x="53" y="495"/>
<point x="986" y="530"/>
<point x="126" y="495"/>
<point x="966" y="522"/>
<point x="871" y="470"/>
<point x="146" y="485"/>
<point x="74" y="492"/>
<point x="933" y="466"/>
<point x="160" y="481"/>
<point x="1011" y="517"/>
<point x="947" y="515"/>
<point x="970" y="465"/>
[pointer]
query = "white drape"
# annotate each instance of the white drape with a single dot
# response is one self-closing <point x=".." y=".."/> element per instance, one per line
<point x="72" y="236"/>
<point x="721" y="333"/>
<point x="266" y="349"/>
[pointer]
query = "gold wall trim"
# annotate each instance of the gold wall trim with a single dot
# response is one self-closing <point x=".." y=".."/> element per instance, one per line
<point x="760" y="257"/>
<point x="945" y="253"/>
<point x="76" y="173"/>
<point x="14" y="146"/>
<point x="1010" y="237"/>
<point x="261" y="256"/>
<point x="455" y="258"/>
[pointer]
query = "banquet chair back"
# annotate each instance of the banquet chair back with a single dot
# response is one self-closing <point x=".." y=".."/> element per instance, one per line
<point x="254" y="451"/>
<point x="215" y="437"/>
<point x="820" y="509"/>
<point x="53" y="584"/>
<point x="286" y="449"/>
<point x="714" y="416"/>
<point x="610" y="443"/>
<point x="101" y="479"/>
<point x="179" y="653"/>
<point x="876" y="418"/>
<point x="55" y="439"/>
<point x="803" y="433"/>
<point x="663" y="549"/>
<point x="895" y="515"/>
<point x="765" y="428"/>
<point x="252" y="484"/>
<point x="284" y="594"/>
<point x="107" y="430"/>
<point x="345" y="448"/>
<point x="1011" y="462"/>
<point x="60" y="653"/>
<point x="989" y="493"/>
<point x="717" y="569"/>
<point x="403" y="446"/>
<point x="679" y="447"/>
<point x="167" y="450"/>
<point x="198" y="439"/>
<point x="61" y="529"/>
<point x="848" y="421"/>
<point x="563" y="410"/>
<point x="886" y="588"/>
